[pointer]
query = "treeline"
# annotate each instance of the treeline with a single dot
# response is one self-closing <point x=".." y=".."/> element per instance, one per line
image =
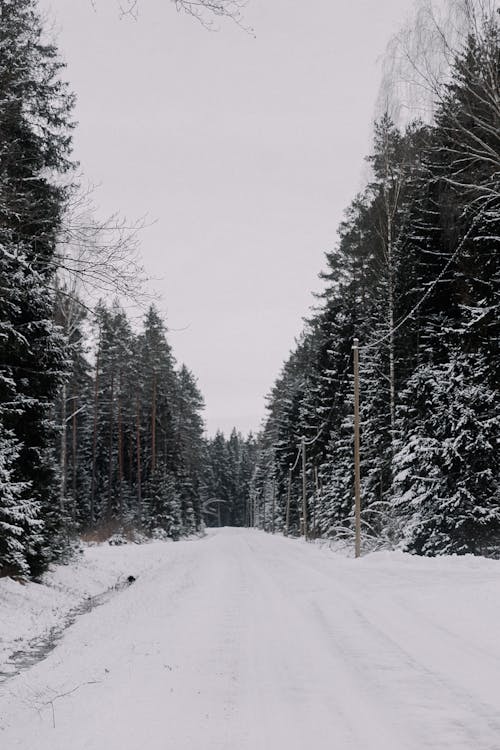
<point x="414" y="276"/>
<point x="228" y="470"/>
<point x="35" y="186"/>
<point x="99" y="428"/>
<point x="131" y="430"/>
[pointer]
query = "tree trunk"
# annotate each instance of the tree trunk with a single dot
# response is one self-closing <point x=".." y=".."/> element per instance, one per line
<point x="74" y="460"/>
<point x="120" y="447"/>
<point x="138" y="452"/>
<point x="153" y="427"/>
<point x="110" y="450"/>
<point x="64" y="449"/>
<point x="94" y="436"/>
<point x="390" y="321"/>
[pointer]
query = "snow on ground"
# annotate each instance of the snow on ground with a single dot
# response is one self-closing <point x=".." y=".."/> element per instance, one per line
<point x="245" y="641"/>
<point x="33" y="613"/>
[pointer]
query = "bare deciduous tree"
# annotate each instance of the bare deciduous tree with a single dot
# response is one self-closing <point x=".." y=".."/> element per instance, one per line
<point x="460" y="37"/>
<point x="419" y="57"/>
<point x="97" y="257"/>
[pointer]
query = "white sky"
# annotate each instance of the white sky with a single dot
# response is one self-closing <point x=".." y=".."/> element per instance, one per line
<point x="246" y="151"/>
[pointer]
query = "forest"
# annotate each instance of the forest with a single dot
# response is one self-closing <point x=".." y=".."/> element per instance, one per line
<point x="101" y="430"/>
<point x="415" y="277"/>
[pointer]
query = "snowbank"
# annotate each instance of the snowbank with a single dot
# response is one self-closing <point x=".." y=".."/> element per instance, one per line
<point x="34" y="614"/>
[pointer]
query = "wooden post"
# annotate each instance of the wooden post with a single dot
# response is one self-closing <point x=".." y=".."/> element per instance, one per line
<point x="289" y="496"/>
<point x="264" y="506"/>
<point x="274" y="504"/>
<point x="304" y="488"/>
<point x="357" y="472"/>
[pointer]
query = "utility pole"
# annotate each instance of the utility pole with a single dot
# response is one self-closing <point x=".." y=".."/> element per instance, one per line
<point x="288" y="498"/>
<point x="304" y="488"/>
<point x="264" y="488"/>
<point x="316" y="498"/>
<point x="274" y="503"/>
<point x="357" y="473"/>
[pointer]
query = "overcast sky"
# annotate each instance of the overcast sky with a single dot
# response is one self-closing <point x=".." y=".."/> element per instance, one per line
<point x="245" y="149"/>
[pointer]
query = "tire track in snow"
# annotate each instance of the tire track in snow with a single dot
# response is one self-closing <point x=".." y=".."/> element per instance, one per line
<point x="427" y="697"/>
<point x="250" y="642"/>
<point x="336" y="710"/>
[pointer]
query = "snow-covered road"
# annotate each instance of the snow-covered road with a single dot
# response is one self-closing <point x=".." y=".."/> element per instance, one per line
<point x="244" y="641"/>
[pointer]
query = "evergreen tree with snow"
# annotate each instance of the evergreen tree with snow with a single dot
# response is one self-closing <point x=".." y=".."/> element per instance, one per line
<point x="19" y="513"/>
<point x="35" y="146"/>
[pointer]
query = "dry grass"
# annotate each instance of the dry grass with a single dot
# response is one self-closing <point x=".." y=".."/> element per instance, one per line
<point x="106" y="530"/>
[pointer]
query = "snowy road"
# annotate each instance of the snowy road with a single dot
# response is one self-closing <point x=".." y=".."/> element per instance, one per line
<point x="243" y="641"/>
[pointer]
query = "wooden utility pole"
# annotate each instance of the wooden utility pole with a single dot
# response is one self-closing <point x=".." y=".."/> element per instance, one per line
<point x="316" y="498"/>
<point x="304" y="488"/>
<point x="357" y="473"/>
<point x="274" y="504"/>
<point x="288" y="498"/>
<point x="264" y="506"/>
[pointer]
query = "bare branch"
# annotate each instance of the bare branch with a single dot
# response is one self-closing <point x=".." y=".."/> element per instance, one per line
<point x="206" y="12"/>
<point x="418" y="58"/>
<point x="96" y="257"/>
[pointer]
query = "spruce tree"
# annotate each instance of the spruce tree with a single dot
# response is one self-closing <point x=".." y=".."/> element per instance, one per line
<point x="19" y="514"/>
<point x="35" y="144"/>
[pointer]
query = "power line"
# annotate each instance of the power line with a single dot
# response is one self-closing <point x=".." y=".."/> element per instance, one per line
<point x="296" y="459"/>
<point x="332" y="408"/>
<point x="432" y="286"/>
